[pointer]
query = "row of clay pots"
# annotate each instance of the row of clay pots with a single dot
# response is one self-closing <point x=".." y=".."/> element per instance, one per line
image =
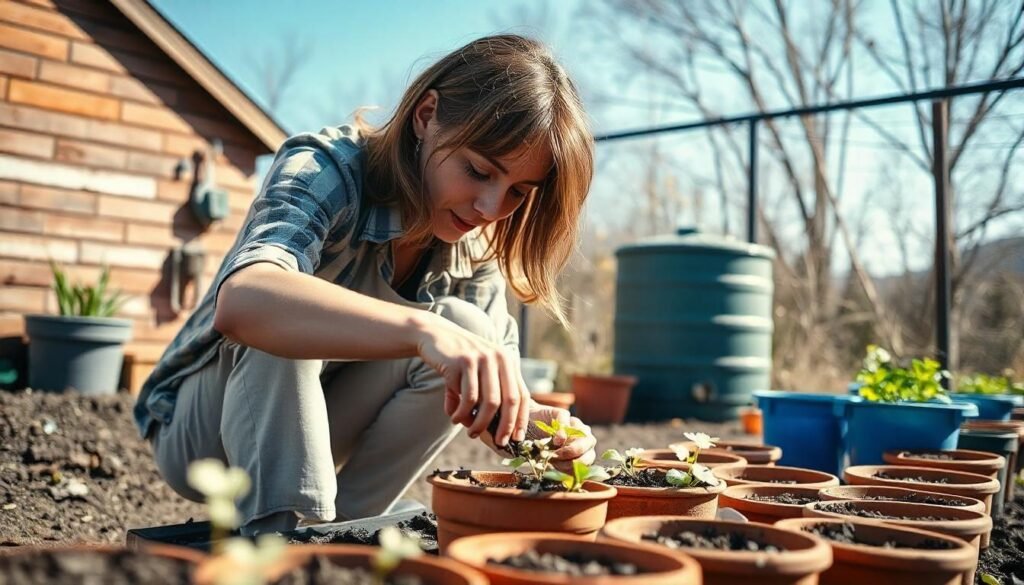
<point x="753" y="454"/>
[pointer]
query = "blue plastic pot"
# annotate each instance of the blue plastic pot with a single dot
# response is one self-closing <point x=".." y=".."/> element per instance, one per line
<point x="808" y="427"/>
<point x="991" y="406"/>
<point x="877" y="427"/>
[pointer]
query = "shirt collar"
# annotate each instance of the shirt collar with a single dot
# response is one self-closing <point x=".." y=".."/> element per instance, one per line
<point x="384" y="223"/>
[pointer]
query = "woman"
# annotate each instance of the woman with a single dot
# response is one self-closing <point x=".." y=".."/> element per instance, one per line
<point x="360" y="317"/>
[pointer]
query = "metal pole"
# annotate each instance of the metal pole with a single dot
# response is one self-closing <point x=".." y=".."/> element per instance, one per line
<point x="524" y="316"/>
<point x="752" y="186"/>
<point x="940" y="170"/>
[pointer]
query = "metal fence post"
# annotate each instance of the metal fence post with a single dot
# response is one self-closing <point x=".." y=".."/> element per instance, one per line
<point x="940" y="171"/>
<point x="752" y="186"/>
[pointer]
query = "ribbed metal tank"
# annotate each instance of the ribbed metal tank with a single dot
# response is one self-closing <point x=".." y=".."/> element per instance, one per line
<point x="693" y="323"/>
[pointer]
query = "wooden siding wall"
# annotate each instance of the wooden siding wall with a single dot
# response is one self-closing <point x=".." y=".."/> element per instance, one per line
<point x="94" y="119"/>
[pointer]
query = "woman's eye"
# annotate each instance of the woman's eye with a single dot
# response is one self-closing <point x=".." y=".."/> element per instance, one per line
<point x="472" y="172"/>
<point x="518" y="194"/>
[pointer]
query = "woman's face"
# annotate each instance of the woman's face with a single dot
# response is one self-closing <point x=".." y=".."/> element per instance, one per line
<point x="469" y="190"/>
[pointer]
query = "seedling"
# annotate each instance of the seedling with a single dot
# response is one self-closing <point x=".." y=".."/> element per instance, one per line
<point x="581" y="472"/>
<point x="698" y="476"/>
<point x="85" y="301"/>
<point x="628" y="464"/>
<point x="395" y="546"/>
<point x="700" y="441"/>
<point x="536" y="455"/>
<point x="882" y="380"/>
<point x="985" y="384"/>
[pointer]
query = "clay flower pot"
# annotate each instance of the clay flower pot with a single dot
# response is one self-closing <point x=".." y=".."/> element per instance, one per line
<point x="351" y="556"/>
<point x="657" y="567"/>
<point x="967" y="525"/>
<point x="752" y="421"/>
<point x="710" y="458"/>
<point x="884" y="565"/>
<point x="29" y="560"/>
<point x="883" y="493"/>
<point x="693" y="502"/>
<point x="563" y="400"/>
<point x="800" y="561"/>
<point x="942" y="481"/>
<point x="464" y="509"/>
<point x="602" y="399"/>
<point x="755" y="454"/>
<point x="738" y="497"/>
<point x="978" y="462"/>
<point x="776" y="475"/>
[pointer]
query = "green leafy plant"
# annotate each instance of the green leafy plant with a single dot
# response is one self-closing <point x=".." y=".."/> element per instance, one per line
<point x="85" y="301"/>
<point x="698" y="476"/>
<point x="989" y="579"/>
<point x="628" y="464"/>
<point x="883" y="380"/>
<point x="535" y="455"/>
<point x="985" y="384"/>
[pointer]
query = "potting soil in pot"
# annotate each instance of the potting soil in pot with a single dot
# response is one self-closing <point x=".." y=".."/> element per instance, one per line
<point x="918" y="498"/>
<point x="852" y="509"/>
<point x="647" y="477"/>
<point x="575" y="564"/>
<point x="713" y="539"/>
<point x="423" y="525"/>
<point x="913" y="478"/>
<point x="320" y="571"/>
<point x="846" y="533"/>
<point x="935" y="456"/>
<point x="1004" y="558"/>
<point x="783" y="498"/>
<point x="119" y="568"/>
<point x="524" y="482"/>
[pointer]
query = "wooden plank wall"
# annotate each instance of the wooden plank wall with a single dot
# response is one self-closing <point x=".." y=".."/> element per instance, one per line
<point x="94" y="119"/>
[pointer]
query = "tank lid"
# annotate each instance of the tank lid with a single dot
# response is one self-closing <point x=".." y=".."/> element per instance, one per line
<point x="690" y="237"/>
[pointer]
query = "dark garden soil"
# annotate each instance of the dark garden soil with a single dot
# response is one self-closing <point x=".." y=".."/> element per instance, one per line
<point x="909" y="478"/>
<point x="712" y="539"/>
<point x="846" y="533"/>
<point x="778" y="481"/>
<point x="918" y="499"/>
<point x="73" y="468"/>
<point x="424" y="526"/>
<point x="320" y="571"/>
<point x="650" y="478"/>
<point x="575" y="564"/>
<point x="784" y="498"/>
<point x="934" y="456"/>
<point x="1004" y="558"/>
<point x="121" y="568"/>
<point x="852" y="509"/>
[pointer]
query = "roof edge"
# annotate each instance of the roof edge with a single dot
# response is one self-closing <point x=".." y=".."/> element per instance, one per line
<point x="187" y="56"/>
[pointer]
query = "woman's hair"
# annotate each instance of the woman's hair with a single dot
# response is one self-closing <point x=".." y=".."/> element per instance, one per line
<point x="497" y="95"/>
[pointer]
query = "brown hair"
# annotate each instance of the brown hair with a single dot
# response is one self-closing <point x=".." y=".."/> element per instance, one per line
<point x="498" y="94"/>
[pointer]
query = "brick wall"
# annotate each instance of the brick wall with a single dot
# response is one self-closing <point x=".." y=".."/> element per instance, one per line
<point x="94" y="119"/>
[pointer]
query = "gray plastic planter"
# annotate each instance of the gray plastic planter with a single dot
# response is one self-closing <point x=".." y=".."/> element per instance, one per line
<point x="83" y="353"/>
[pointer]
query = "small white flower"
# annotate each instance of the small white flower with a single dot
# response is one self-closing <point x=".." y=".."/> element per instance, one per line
<point x="634" y="452"/>
<point x="702" y="440"/>
<point x="395" y="545"/>
<point x="682" y="453"/>
<point x="210" y="478"/>
<point x="704" y="474"/>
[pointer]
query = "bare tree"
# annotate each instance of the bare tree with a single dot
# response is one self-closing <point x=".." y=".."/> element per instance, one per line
<point x="277" y="67"/>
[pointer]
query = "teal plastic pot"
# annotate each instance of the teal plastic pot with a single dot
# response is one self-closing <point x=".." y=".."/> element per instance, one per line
<point x="1004" y="444"/>
<point x="877" y="427"/>
<point x="79" y="353"/>
<point x="991" y="406"/>
<point x="809" y="428"/>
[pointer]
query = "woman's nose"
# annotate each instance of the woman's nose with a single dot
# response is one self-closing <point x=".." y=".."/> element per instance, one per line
<point x="488" y="204"/>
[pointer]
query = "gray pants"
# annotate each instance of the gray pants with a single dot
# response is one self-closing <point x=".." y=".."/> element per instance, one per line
<point x="324" y="440"/>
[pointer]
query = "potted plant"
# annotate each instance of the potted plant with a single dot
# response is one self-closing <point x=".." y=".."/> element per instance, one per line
<point x="776" y="475"/>
<point x="755" y="454"/>
<point x="678" y="456"/>
<point x="541" y="558"/>
<point x="600" y="396"/>
<point x="768" y="503"/>
<point x="687" y="489"/>
<point x="901" y="408"/>
<point x="995" y="396"/>
<point x="789" y="418"/>
<point x="881" y="554"/>
<point x="541" y="498"/>
<point x="83" y="347"/>
<point x="897" y="494"/>
<point x="731" y="552"/>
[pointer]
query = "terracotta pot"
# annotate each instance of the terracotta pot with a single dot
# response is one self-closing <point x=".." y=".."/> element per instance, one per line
<point x="771" y="474"/>
<point x="463" y="509"/>
<point x="562" y="400"/>
<point x="1017" y="414"/>
<point x="978" y="462"/>
<point x="800" y="563"/>
<point x="659" y="567"/>
<point x="958" y="483"/>
<point x="755" y="454"/>
<point x="879" y="565"/>
<point x="865" y="492"/>
<point x="431" y="569"/>
<point x="191" y="557"/>
<point x="967" y="525"/>
<point x="697" y="502"/>
<point x="736" y="497"/>
<point x="708" y="457"/>
<point x="602" y="399"/>
<point x="752" y="421"/>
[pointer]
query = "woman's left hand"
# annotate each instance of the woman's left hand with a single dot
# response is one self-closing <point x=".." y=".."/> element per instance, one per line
<point x="566" y="449"/>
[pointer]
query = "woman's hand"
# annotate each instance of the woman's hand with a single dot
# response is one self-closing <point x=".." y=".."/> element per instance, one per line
<point x="479" y="374"/>
<point x="566" y="450"/>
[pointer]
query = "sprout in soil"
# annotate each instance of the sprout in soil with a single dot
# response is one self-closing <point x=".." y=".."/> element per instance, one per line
<point x="698" y="476"/>
<point x="222" y="486"/>
<point x="395" y="546"/>
<point x="536" y="455"/>
<point x="581" y="472"/>
<point x="628" y="464"/>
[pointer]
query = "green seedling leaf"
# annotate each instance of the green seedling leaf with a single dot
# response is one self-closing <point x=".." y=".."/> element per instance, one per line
<point x="395" y="546"/>
<point x="613" y="455"/>
<point x="678" y="478"/>
<point x="988" y="579"/>
<point x="550" y="430"/>
<point x="574" y="433"/>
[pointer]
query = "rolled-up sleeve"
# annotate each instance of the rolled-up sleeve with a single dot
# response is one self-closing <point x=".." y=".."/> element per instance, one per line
<point x="486" y="289"/>
<point x="304" y="196"/>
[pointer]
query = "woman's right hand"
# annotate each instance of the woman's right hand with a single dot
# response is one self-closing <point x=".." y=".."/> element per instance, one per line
<point x="478" y="374"/>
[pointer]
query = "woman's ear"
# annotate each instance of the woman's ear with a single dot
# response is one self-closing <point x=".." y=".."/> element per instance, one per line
<point x="424" y="112"/>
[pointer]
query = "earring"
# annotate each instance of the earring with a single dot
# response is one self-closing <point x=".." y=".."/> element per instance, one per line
<point x="419" y="143"/>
